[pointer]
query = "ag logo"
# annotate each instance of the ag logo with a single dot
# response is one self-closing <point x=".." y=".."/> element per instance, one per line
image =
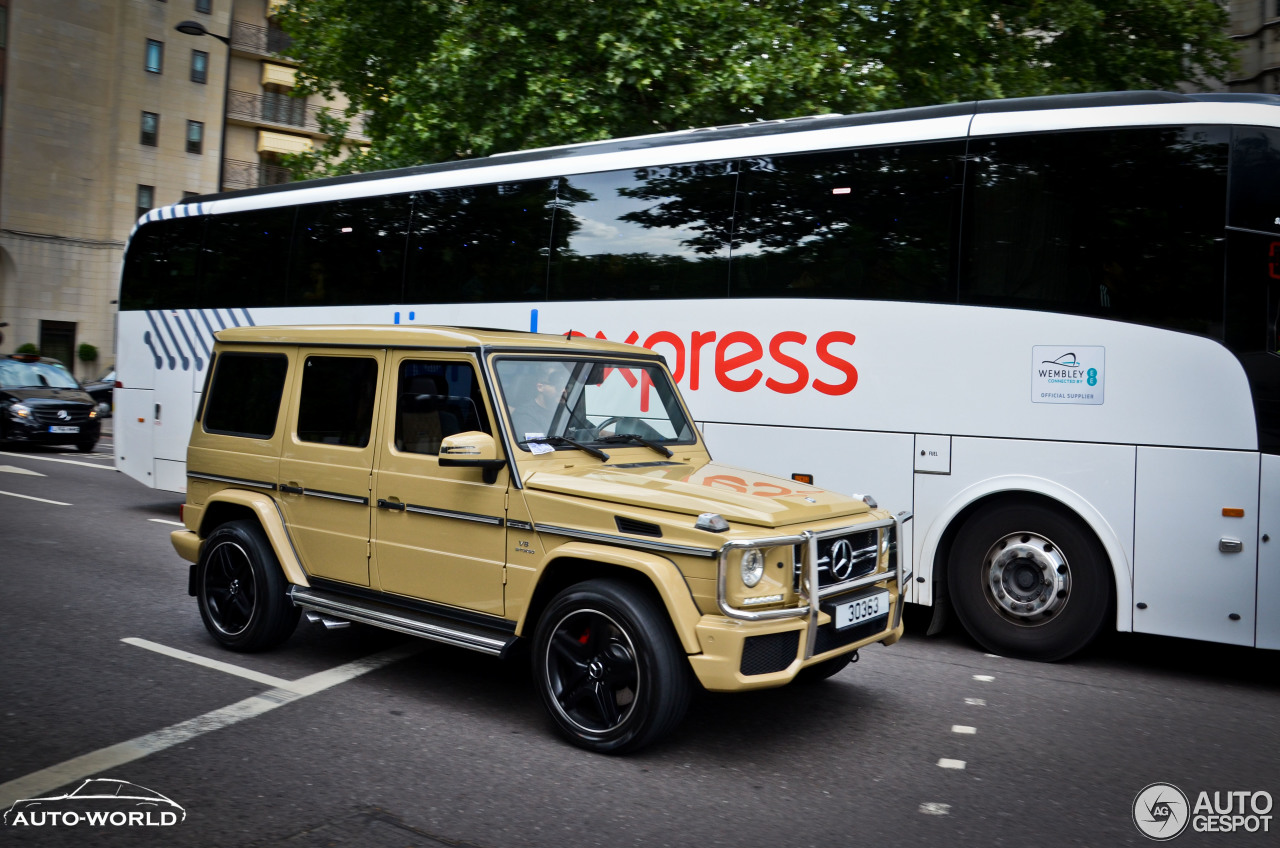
<point x="1161" y="811"/>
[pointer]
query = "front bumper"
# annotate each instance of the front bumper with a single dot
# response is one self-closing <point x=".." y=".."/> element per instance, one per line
<point x="23" y="430"/>
<point x="749" y="649"/>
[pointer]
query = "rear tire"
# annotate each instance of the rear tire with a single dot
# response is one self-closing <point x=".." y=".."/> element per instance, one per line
<point x="241" y="590"/>
<point x="1029" y="581"/>
<point x="611" y="672"/>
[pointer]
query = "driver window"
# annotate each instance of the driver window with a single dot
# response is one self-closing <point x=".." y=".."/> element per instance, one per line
<point x="435" y="399"/>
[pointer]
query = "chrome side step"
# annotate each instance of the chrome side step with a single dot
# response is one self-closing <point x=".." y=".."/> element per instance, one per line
<point x="437" y="628"/>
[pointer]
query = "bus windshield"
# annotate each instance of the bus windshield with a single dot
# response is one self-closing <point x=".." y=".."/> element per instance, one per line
<point x="590" y="402"/>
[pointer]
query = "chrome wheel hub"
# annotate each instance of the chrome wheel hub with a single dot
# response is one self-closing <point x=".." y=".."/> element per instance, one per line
<point x="1026" y="578"/>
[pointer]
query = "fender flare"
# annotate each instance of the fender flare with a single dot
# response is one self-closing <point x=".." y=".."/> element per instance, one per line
<point x="1121" y="567"/>
<point x="272" y="522"/>
<point x="661" y="572"/>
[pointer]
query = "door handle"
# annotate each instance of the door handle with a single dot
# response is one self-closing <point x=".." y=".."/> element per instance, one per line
<point x="291" y="489"/>
<point x="396" y="506"/>
<point x="1230" y="546"/>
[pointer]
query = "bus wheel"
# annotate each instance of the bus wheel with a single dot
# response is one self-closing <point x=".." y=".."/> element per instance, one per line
<point x="1029" y="581"/>
<point x="609" y="667"/>
<point x="241" y="590"/>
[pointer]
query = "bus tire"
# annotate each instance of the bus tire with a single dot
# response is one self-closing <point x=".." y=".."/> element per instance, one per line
<point x="1029" y="581"/>
<point x="609" y="668"/>
<point x="241" y="590"/>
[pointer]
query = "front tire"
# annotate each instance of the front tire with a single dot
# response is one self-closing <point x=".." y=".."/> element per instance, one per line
<point x="241" y="589"/>
<point x="86" y="446"/>
<point x="611" y="672"/>
<point x="1029" y="581"/>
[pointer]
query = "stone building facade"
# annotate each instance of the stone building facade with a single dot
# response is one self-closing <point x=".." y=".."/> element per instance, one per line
<point x="106" y="110"/>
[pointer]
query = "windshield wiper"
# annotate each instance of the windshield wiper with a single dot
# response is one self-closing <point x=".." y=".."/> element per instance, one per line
<point x="561" y="440"/>
<point x="632" y="437"/>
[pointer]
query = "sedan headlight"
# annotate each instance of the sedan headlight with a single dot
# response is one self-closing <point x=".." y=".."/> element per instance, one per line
<point x="20" y="410"/>
<point x="752" y="567"/>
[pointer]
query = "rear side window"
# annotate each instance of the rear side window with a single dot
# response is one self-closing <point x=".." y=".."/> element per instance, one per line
<point x="244" y="398"/>
<point x="336" y="405"/>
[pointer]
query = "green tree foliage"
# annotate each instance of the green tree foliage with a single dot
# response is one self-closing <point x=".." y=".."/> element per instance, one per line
<point x="441" y="80"/>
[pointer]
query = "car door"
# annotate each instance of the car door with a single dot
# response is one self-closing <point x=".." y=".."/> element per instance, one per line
<point x="327" y="460"/>
<point x="439" y="532"/>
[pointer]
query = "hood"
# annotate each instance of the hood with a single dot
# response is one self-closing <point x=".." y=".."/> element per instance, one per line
<point x="746" y="497"/>
<point x="39" y="395"/>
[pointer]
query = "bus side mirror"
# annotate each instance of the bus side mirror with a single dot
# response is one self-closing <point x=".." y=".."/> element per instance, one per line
<point x="472" y="450"/>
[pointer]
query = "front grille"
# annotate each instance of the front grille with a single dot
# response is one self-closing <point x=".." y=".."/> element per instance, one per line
<point x="48" y="415"/>
<point x="842" y="558"/>
<point x="769" y="653"/>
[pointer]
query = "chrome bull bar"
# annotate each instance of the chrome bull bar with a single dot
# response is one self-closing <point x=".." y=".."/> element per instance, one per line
<point x="810" y="589"/>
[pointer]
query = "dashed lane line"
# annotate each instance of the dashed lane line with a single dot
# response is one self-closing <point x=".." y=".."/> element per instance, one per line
<point x="983" y="678"/>
<point x="37" y="783"/>
<point x="58" y="459"/>
<point x="167" y="521"/>
<point x="13" y="469"/>
<point x="218" y="665"/>
<point x="34" y="498"/>
<point x="932" y="808"/>
<point x="944" y="762"/>
<point x="963" y="729"/>
<point x="976" y="702"/>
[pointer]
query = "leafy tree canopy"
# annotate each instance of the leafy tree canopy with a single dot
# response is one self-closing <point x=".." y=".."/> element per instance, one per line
<point x="440" y="80"/>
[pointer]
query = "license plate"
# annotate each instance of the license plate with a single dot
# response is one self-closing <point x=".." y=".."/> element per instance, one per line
<point x="64" y="429"/>
<point x="861" y="609"/>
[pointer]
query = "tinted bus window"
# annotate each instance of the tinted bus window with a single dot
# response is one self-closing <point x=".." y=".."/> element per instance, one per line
<point x="246" y="257"/>
<point x="161" y="268"/>
<point x="349" y="252"/>
<point x="643" y="233"/>
<point x="877" y="223"/>
<point x="244" y="397"/>
<point x="480" y="243"/>
<point x="1123" y="224"/>
<point x="1255" y="179"/>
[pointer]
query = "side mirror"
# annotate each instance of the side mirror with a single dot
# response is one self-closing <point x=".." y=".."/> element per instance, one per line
<point x="472" y="450"/>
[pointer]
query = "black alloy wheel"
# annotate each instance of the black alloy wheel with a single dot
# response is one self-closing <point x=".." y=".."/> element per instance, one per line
<point x="610" y="670"/>
<point x="242" y="592"/>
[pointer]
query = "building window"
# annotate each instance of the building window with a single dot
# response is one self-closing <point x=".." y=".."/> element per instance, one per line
<point x="146" y="199"/>
<point x="195" y="137"/>
<point x="155" y="56"/>
<point x="205" y="6"/>
<point x="279" y="107"/>
<point x="150" y="129"/>
<point x="199" y="66"/>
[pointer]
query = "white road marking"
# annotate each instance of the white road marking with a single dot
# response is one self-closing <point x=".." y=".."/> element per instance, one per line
<point x="33" y="498"/>
<point x="57" y="459"/>
<point x="932" y="808"/>
<point x="983" y="678"/>
<point x="219" y="665"/>
<point x="37" y="783"/>
<point x="167" y="521"/>
<point x="963" y="728"/>
<point x="13" y="469"/>
<point x="944" y="762"/>
<point x="975" y="702"/>
<point x="994" y="656"/>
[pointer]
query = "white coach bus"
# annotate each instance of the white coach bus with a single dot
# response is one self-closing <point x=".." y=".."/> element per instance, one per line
<point x="1047" y="326"/>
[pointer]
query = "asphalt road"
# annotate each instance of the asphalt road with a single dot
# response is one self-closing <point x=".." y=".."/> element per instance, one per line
<point x="357" y="737"/>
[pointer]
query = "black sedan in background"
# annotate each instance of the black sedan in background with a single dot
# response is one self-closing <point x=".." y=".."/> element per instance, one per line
<point x="41" y="402"/>
<point x="101" y="390"/>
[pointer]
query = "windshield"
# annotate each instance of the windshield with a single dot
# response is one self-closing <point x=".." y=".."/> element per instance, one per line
<point x="34" y="375"/>
<point x="590" y="401"/>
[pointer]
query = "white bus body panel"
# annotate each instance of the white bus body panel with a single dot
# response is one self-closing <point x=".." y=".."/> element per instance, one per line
<point x="1268" y="627"/>
<point x="1191" y="588"/>
<point x="131" y="433"/>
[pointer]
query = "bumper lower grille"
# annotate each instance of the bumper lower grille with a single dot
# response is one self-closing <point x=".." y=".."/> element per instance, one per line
<point x="769" y="653"/>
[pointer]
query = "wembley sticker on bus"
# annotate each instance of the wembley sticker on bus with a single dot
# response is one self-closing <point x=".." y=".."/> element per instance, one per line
<point x="1067" y="374"/>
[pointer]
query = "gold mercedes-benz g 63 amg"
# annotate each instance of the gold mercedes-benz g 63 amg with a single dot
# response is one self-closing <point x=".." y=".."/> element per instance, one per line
<point x="484" y="488"/>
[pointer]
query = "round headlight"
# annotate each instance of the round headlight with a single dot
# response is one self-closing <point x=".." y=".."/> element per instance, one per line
<point x="752" y="567"/>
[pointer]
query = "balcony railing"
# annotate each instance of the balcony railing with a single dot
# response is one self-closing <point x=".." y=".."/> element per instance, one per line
<point x="282" y="110"/>
<point x="237" y="174"/>
<point x="263" y="40"/>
